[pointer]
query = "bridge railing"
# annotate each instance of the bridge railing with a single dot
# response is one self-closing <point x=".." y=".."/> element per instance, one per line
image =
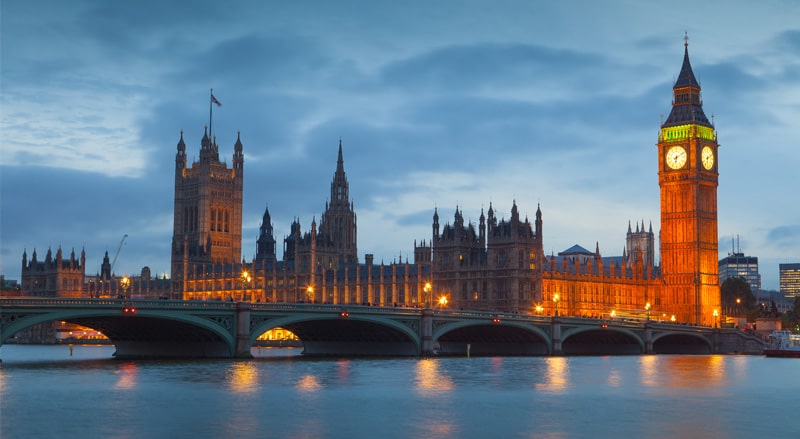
<point x="111" y="303"/>
<point x="285" y="306"/>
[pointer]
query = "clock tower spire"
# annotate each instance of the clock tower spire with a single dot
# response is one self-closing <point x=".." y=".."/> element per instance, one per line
<point x="688" y="179"/>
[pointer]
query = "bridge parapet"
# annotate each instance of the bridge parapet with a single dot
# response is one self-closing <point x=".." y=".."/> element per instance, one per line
<point x="344" y="329"/>
<point x="57" y="302"/>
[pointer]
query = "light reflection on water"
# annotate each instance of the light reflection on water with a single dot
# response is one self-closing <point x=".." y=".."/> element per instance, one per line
<point x="243" y="377"/>
<point x="556" y="376"/>
<point x="282" y="395"/>
<point x="126" y="376"/>
<point x="430" y="380"/>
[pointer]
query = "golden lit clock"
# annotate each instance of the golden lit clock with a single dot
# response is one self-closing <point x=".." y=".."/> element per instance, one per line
<point x="707" y="156"/>
<point x="676" y="157"/>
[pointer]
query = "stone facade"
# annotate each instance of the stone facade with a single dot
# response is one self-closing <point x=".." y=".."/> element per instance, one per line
<point x="53" y="277"/>
<point x="207" y="227"/>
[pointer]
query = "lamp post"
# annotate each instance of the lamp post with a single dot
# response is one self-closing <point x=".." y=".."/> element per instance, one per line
<point x="310" y="293"/>
<point x="428" y="289"/>
<point x="539" y="309"/>
<point x="245" y="280"/>
<point x="647" y="310"/>
<point x="442" y="302"/>
<point x="556" y="299"/>
<point x="125" y="282"/>
<point x="716" y="315"/>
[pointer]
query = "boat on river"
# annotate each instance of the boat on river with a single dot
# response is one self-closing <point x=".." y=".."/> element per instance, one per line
<point x="783" y="343"/>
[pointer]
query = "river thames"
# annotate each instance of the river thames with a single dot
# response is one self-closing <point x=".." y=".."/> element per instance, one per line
<point x="50" y="391"/>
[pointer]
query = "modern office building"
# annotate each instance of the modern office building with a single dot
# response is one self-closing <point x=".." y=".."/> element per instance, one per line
<point x="739" y="265"/>
<point x="790" y="279"/>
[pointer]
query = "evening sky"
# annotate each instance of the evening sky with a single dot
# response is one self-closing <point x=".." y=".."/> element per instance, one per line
<point x="438" y="104"/>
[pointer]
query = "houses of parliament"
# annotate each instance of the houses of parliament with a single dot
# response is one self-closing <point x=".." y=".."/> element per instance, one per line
<point x="497" y="264"/>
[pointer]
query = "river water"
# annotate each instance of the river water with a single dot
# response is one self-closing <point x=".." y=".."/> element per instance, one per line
<point x="50" y="391"/>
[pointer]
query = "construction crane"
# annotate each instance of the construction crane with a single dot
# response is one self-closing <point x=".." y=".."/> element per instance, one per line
<point x="121" y="243"/>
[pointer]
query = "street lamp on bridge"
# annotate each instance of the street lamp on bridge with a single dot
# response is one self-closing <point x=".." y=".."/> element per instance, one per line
<point x="428" y="289"/>
<point x="125" y="282"/>
<point x="442" y="301"/>
<point x="245" y="283"/>
<point x="556" y="299"/>
<point x="647" y="310"/>
<point x="716" y="316"/>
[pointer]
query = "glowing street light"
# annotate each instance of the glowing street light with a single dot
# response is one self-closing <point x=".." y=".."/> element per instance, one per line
<point x="442" y="301"/>
<point x="428" y="289"/>
<point x="539" y="309"/>
<point x="245" y="281"/>
<point x="310" y="293"/>
<point x="647" y="310"/>
<point x="556" y="299"/>
<point x="716" y="315"/>
<point x="125" y="282"/>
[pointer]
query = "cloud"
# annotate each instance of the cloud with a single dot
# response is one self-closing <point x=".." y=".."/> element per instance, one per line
<point x="438" y="104"/>
<point x="99" y="211"/>
<point x="785" y="237"/>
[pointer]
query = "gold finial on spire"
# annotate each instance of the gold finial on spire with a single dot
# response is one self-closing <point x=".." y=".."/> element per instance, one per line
<point x="686" y="39"/>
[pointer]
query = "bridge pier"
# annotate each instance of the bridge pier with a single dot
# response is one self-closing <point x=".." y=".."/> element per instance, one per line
<point x="427" y="332"/>
<point x="242" y="349"/>
<point x="648" y="338"/>
<point x="556" y="330"/>
<point x="715" y="341"/>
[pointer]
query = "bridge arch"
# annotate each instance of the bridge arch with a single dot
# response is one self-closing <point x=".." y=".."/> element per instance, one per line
<point x="146" y="333"/>
<point x="485" y="337"/>
<point x="610" y="340"/>
<point x="356" y="334"/>
<point x="681" y="342"/>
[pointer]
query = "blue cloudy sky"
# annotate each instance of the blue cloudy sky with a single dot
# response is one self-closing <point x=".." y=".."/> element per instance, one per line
<point x="445" y="103"/>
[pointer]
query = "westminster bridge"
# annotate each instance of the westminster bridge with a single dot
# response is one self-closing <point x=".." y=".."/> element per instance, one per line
<point x="165" y="328"/>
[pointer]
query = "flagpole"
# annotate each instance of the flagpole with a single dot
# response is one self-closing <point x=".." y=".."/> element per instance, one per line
<point x="210" y="112"/>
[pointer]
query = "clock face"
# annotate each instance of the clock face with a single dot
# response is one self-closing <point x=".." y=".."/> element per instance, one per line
<point x="708" y="157"/>
<point x="676" y="157"/>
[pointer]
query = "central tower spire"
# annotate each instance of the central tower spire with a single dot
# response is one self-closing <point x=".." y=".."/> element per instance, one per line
<point x="339" y="186"/>
<point x="338" y="224"/>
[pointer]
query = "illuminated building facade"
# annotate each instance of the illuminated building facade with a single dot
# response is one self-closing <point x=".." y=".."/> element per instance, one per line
<point x="319" y="266"/>
<point x="498" y="265"/>
<point x="790" y="279"/>
<point x="686" y="285"/>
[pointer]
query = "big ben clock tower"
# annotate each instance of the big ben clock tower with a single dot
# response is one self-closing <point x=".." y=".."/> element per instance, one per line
<point x="688" y="178"/>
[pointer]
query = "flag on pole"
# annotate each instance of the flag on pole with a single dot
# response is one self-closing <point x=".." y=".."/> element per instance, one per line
<point x="214" y="100"/>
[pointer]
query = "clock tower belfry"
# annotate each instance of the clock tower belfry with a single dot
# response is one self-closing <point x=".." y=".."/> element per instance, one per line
<point x="688" y="178"/>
